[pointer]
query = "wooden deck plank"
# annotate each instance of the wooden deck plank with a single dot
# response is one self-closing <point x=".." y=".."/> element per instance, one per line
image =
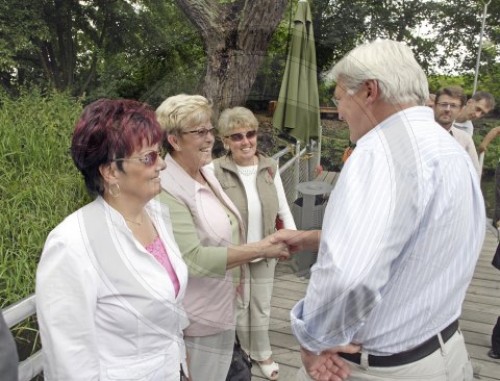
<point x="480" y="311"/>
<point x="476" y="290"/>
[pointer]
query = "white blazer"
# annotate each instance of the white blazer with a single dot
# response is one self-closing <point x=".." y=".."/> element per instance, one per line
<point x="106" y="308"/>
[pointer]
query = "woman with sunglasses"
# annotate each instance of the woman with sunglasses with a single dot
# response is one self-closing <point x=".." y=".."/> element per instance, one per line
<point x="252" y="182"/>
<point x="111" y="279"/>
<point x="210" y="234"/>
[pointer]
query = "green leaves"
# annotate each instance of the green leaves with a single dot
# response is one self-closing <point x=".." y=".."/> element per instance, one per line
<point x="438" y="31"/>
<point x="39" y="183"/>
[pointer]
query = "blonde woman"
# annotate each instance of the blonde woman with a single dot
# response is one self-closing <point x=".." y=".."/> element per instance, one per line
<point x="252" y="181"/>
<point x="210" y="233"/>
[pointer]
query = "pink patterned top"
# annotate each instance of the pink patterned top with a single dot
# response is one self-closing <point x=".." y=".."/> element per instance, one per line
<point x="157" y="249"/>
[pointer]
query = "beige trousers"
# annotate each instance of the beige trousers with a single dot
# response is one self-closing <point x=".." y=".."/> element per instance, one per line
<point x="210" y="356"/>
<point x="254" y="310"/>
<point x="449" y="363"/>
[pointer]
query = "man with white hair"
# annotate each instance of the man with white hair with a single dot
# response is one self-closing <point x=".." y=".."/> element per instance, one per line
<point x="397" y="249"/>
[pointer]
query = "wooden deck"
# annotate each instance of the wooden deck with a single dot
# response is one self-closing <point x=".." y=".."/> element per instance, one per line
<point x="480" y="310"/>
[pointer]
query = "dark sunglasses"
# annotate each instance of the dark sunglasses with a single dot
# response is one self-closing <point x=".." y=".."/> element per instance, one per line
<point x="148" y="159"/>
<point x="202" y="132"/>
<point x="238" y="137"/>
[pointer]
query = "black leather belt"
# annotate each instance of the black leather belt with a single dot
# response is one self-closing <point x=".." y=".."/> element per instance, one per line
<point x="406" y="357"/>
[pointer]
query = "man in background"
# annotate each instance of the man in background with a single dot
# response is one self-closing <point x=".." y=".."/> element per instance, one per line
<point x="431" y="100"/>
<point x="478" y="106"/>
<point x="397" y="250"/>
<point x="448" y="105"/>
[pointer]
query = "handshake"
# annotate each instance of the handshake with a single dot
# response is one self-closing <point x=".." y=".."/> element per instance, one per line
<point x="283" y="243"/>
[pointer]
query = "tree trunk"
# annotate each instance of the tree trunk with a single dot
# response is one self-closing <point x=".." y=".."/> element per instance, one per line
<point x="236" y="36"/>
<point x="66" y="46"/>
<point x="58" y="53"/>
<point x="95" y="55"/>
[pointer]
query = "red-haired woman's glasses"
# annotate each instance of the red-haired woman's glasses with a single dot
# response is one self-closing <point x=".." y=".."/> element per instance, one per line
<point x="148" y="159"/>
<point x="238" y="137"/>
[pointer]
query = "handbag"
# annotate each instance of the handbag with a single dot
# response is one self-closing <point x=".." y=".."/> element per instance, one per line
<point x="241" y="365"/>
<point x="279" y="224"/>
<point x="496" y="258"/>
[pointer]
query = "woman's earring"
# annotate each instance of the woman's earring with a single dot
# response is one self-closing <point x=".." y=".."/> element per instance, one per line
<point x="114" y="190"/>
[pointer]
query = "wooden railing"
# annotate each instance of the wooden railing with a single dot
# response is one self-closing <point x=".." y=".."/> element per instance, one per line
<point x="325" y="111"/>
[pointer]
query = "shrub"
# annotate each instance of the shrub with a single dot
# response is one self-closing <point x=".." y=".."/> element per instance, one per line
<point x="39" y="184"/>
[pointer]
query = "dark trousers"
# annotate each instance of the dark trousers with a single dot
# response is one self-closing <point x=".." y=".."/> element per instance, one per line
<point x="495" y="337"/>
<point x="8" y="353"/>
<point x="496" y="218"/>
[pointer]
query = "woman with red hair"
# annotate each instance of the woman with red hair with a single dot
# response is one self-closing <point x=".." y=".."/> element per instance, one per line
<point x="111" y="280"/>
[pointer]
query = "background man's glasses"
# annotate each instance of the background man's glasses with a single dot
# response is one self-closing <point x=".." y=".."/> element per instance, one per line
<point x="446" y="106"/>
<point x="238" y="137"/>
<point x="202" y="132"/>
<point x="148" y="159"/>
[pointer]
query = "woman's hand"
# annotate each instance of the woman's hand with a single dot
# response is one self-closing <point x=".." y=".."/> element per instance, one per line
<point x="266" y="248"/>
<point x="274" y="249"/>
<point x="298" y="240"/>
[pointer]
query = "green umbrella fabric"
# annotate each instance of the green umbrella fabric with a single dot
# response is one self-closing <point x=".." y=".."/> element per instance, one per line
<point x="298" y="104"/>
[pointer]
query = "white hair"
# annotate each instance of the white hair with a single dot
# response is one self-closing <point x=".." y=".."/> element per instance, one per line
<point x="392" y="64"/>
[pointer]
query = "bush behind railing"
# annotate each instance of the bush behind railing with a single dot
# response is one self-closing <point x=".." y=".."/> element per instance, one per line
<point x="39" y="184"/>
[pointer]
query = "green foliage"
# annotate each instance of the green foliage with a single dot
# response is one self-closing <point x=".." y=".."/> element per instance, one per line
<point x="39" y="184"/>
<point x="440" y="33"/>
<point x="147" y="49"/>
<point x="325" y="90"/>
<point x="123" y="48"/>
<point x="268" y="82"/>
<point x="334" y="141"/>
<point x="168" y="58"/>
<point x="481" y="128"/>
<point x="340" y="26"/>
<point x="18" y="23"/>
<point x="459" y="28"/>
<point x="438" y="81"/>
<point x="491" y="157"/>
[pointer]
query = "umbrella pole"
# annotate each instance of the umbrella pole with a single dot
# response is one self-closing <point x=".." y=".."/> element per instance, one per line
<point x="297" y="170"/>
<point x="318" y="152"/>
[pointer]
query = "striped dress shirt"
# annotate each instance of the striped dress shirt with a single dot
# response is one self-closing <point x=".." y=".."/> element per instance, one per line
<point x="401" y="236"/>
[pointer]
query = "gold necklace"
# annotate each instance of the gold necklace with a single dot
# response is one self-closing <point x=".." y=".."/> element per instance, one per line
<point x="134" y="222"/>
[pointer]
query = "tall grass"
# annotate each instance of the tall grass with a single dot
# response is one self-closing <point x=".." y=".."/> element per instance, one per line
<point x="39" y="184"/>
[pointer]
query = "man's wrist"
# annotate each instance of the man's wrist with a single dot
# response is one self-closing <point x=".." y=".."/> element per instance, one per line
<point x="315" y="353"/>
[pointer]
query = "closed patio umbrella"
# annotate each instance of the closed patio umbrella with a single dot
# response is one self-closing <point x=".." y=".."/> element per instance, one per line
<point x="297" y="109"/>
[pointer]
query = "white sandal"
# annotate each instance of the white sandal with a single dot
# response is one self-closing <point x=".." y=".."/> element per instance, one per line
<point x="269" y="369"/>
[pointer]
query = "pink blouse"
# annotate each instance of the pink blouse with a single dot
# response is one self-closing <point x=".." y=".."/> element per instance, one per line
<point x="157" y="249"/>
